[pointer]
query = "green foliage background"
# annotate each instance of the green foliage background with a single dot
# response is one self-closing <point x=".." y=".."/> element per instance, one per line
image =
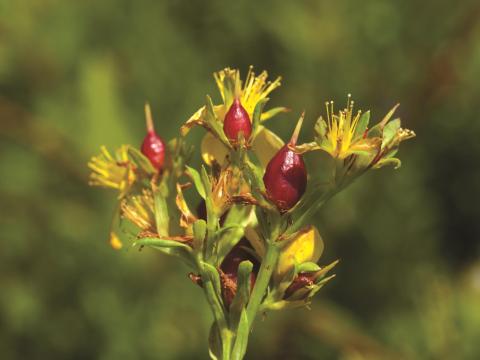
<point x="75" y="75"/>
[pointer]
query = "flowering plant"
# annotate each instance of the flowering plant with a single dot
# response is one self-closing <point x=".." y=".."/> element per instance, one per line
<point x="247" y="238"/>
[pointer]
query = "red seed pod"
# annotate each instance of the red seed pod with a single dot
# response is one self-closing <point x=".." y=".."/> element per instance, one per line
<point x="229" y="269"/>
<point x="236" y="121"/>
<point x="301" y="281"/>
<point x="285" y="178"/>
<point x="153" y="146"/>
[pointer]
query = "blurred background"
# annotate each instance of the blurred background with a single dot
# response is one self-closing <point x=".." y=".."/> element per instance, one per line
<point x="75" y="74"/>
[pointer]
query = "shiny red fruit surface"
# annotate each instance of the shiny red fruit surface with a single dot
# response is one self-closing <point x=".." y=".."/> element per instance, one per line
<point x="285" y="178"/>
<point x="153" y="148"/>
<point x="236" y="121"/>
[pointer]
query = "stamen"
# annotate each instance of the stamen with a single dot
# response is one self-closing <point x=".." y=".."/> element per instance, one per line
<point x="328" y="115"/>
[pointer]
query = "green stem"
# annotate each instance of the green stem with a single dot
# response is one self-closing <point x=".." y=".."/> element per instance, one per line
<point x="220" y="318"/>
<point x="227" y="337"/>
<point x="263" y="279"/>
<point x="308" y="213"/>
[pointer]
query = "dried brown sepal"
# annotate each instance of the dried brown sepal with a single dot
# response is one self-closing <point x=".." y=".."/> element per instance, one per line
<point x="244" y="199"/>
<point x="195" y="120"/>
<point x="186" y="218"/>
<point x="229" y="287"/>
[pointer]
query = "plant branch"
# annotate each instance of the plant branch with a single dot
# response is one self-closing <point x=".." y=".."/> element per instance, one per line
<point x="263" y="279"/>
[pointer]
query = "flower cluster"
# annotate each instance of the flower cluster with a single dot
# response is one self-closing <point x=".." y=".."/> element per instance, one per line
<point x="244" y="227"/>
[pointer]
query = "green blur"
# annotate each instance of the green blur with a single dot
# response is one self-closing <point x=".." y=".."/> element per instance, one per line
<point x="75" y="75"/>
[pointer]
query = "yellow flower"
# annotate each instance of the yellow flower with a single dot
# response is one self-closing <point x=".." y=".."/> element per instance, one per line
<point x="348" y="134"/>
<point x="342" y="137"/>
<point x="307" y="246"/>
<point x="255" y="89"/>
<point x="140" y="210"/>
<point x="115" y="172"/>
<point x="251" y="92"/>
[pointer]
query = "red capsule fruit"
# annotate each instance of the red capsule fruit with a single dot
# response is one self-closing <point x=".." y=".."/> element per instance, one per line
<point x="285" y="178"/>
<point x="237" y="121"/>
<point x="301" y="281"/>
<point x="153" y="146"/>
<point x="229" y="269"/>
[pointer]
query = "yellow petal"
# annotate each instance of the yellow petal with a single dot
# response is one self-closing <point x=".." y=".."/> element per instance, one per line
<point x="363" y="145"/>
<point x="213" y="149"/>
<point x="307" y="246"/>
<point x="265" y="145"/>
<point x="115" y="242"/>
<point x="186" y="217"/>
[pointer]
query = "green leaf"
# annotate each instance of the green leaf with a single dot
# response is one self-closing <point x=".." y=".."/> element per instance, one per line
<point x="391" y="153"/>
<point x="257" y="112"/>
<point x="229" y="84"/>
<point x="238" y="215"/>
<point x="362" y="125"/>
<point x="207" y="185"/>
<point x="377" y="130"/>
<point x="141" y="161"/>
<point x="389" y="131"/>
<point x="388" y="161"/>
<point x="232" y="231"/>
<point x="213" y="123"/>
<point x="199" y="233"/>
<point x="161" y="243"/>
<point x="226" y="241"/>
<point x="213" y="275"/>
<point x="170" y="247"/>
<point x="323" y="271"/>
<point x="285" y="304"/>
<point x="308" y="267"/>
<point x="197" y="181"/>
<point x="315" y="288"/>
<point x="320" y="129"/>
<point x="388" y="116"/>
<point x="273" y="112"/>
<point x="241" y="340"/>
<point x="254" y="174"/>
<point x="243" y="292"/>
<point x="161" y="210"/>
<point x="228" y="228"/>
<point x="214" y="342"/>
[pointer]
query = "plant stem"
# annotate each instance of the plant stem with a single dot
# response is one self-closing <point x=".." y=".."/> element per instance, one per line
<point x="263" y="278"/>
<point x="227" y="337"/>
<point x="220" y="318"/>
<point x="309" y="212"/>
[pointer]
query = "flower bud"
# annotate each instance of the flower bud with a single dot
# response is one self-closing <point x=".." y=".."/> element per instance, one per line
<point x="285" y="177"/>
<point x="153" y="146"/>
<point x="237" y="121"/>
